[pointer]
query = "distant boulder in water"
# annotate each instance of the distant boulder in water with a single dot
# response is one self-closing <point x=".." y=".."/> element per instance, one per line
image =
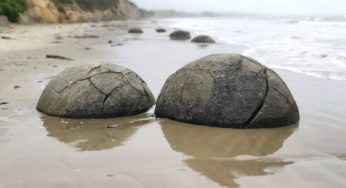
<point x="203" y="39"/>
<point x="135" y="30"/>
<point x="227" y="90"/>
<point x="96" y="91"/>
<point x="160" y="30"/>
<point x="180" y="35"/>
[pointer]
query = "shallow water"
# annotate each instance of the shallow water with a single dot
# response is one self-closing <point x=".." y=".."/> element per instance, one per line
<point x="313" y="47"/>
<point x="42" y="151"/>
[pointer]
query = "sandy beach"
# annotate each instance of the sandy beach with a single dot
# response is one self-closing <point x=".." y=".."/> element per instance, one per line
<point x="37" y="150"/>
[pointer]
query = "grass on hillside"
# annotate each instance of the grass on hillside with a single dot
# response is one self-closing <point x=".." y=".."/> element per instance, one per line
<point x="60" y="4"/>
<point x="85" y="4"/>
<point x="12" y="9"/>
<point x="96" y="4"/>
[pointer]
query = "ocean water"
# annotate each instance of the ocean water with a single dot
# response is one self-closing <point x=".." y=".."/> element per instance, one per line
<point x="311" y="46"/>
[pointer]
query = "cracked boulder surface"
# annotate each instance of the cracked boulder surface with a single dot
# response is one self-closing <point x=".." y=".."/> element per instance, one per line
<point x="227" y="90"/>
<point x="96" y="91"/>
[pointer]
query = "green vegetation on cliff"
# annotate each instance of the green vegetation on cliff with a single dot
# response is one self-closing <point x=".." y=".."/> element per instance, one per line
<point x="85" y="4"/>
<point x="12" y="9"/>
<point x="96" y="4"/>
<point x="60" y="4"/>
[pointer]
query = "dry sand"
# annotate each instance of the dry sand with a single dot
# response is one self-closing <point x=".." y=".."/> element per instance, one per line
<point x="41" y="151"/>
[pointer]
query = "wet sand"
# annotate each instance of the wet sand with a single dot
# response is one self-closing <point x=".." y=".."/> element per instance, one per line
<point x="41" y="151"/>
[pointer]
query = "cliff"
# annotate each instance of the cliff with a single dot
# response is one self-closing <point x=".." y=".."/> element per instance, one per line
<point x="53" y="11"/>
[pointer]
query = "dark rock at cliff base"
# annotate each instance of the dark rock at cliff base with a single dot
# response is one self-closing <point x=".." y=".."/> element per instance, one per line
<point x="3" y="103"/>
<point x="180" y="35"/>
<point x="203" y="39"/>
<point x="227" y="90"/>
<point x="96" y="91"/>
<point x="6" y="38"/>
<point x="135" y="30"/>
<point x="161" y="30"/>
<point x="50" y="56"/>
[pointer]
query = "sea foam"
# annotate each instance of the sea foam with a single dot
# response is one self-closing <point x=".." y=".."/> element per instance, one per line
<point x="311" y="46"/>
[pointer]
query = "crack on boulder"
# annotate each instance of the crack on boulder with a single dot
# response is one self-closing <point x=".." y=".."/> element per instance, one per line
<point x="84" y="79"/>
<point x="130" y="84"/>
<point x="145" y="91"/>
<point x="251" y="60"/>
<point x="71" y="84"/>
<point x="113" y="72"/>
<point x="98" y="89"/>
<point x="125" y="73"/>
<point x="94" y="68"/>
<point x="182" y="91"/>
<point x="188" y="109"/>
<point x="115" y="88"/>
<point x="108" y="95"/>
<point x="260" y="106"/>
<point x="281" y="94"/>
<point x="55" y="91"/>
<point x="144" y="86"/>
<point x="137" y="90"/>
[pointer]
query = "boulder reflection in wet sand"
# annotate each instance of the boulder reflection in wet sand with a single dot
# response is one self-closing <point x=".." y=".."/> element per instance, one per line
<point x="93" y="135"/>
<point x="213" y="150"/>
<point x="225" y="172"/>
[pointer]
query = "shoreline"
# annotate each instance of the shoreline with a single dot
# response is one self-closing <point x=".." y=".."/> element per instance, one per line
<point x="143" y="150"/>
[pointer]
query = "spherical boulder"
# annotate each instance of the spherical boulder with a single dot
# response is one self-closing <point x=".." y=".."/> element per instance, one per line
<point x="96" y="91"/>
<point x="203" y="39"/>
<point x="160" y="30"/>
<point x="227" y="90"/>
<point x="135" y="30"/>
<point x="180" y="35"/>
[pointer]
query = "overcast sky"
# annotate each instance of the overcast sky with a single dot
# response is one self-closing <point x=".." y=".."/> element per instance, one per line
<point x="294" y="7"/>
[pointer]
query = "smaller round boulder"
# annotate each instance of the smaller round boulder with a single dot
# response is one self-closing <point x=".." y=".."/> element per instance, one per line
<point x="203" y="39"/>
<point x="96" y="91"/>
<point x="161" y="30"/>
<point x="180" y="35"/>
<point x="135" y="30"/>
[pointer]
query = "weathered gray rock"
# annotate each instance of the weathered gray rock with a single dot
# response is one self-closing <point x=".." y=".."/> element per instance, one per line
<point x="161" y="30"/>
<point x="135" y="30"/>
<point x="3" y="21"/>
<point x="96" y="91"/>
<point x="180" y="35"/>
<point x="203" y="39"/>
<point x="227" y="90"/>
<point x="4" y="26"/>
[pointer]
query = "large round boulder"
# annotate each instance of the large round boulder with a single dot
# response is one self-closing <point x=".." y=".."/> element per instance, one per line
<point x="180" y="35"/>
<point x="227" y="90"/>
<point x="96" y="91"/>
<point x="203" y="39"/>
